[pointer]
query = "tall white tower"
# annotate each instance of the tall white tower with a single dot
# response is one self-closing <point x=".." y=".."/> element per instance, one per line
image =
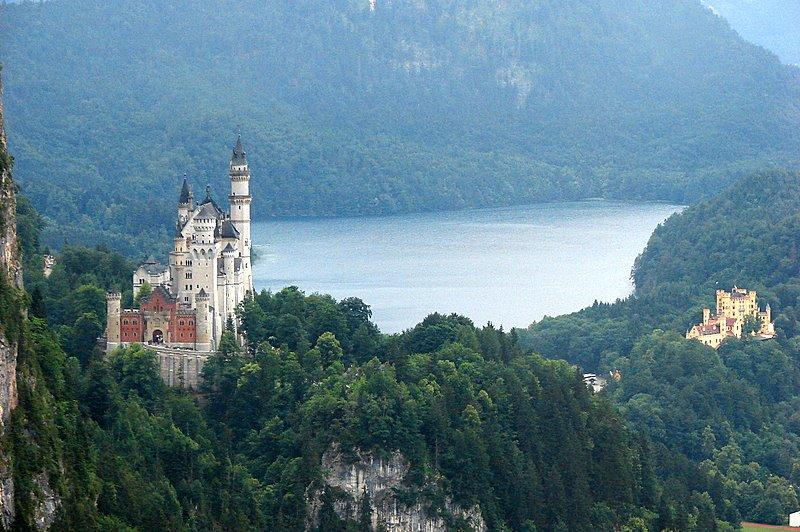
<point x="240" y="200"/>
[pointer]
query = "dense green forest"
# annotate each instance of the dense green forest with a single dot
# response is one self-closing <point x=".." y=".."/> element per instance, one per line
<point x="517" y="434"/>
<point x="412" y="106"/>
<point x="689" y="438"/>
<point x="722" y="422"/>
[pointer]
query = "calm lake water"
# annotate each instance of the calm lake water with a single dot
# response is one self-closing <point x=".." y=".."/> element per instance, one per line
<point x="510" y="266"/>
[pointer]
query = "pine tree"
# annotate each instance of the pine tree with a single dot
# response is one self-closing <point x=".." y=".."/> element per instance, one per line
<point x="328" y="520"/>
<point x="365" y="515"/>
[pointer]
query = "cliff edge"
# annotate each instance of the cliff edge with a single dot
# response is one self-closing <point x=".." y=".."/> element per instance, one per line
<point x="10" y="284"/>
<point x="377" y="485"/>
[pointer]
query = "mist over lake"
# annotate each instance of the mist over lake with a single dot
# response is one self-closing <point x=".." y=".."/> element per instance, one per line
<point x="510" y="266"/>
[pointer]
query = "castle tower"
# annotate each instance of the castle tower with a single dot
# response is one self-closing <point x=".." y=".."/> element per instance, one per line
<point x="228" y="296"/>
<point x="185" y="202"/>
<point x="203" y="322"/>
<point x="178" y="266"/>
<point x="240" y="201"/>
<point x="114" y="311"/>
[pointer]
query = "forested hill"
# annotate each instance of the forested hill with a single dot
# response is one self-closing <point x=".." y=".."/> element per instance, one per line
<point x="412" y="106"/>
<point x="98" y="442"/>
<point x="725" y="419"/>
<point x="749" y="234"/>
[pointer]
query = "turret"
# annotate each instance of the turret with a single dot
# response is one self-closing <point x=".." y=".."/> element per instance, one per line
<point x="185" y="202"/>
<point x="205" y="221"/>
<point x="114" y="310"/>
<point x="228" y="257"/>
<point x="240" y="201"/>
<point x="203" y="322"/>
<point x="228" y="286"/>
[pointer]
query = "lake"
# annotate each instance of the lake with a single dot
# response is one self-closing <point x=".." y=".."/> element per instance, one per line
<point x="510" y="266"/>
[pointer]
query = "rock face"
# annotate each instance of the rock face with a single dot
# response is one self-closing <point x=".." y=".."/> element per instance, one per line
<point x="11" y="268"/>
<point x="382" y="479"/>
<point x="47" y="498"/>
<point x="48" y="503"/>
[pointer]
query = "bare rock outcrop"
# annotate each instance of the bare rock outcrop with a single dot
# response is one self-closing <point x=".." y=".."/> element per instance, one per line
<point x="11" y="268"/>
<point x="382" y="479"/>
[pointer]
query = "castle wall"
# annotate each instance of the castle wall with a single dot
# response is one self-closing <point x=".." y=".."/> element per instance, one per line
<point x="181" y="369"/>
<point x="141" y="276"/>
<point x="131" y="327"/>
<point x="736" y="304"/>
<point x="182" y="329"/>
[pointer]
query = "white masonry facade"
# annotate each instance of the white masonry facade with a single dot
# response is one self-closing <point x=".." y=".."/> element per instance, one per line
<point x="209" y="274"/>
<point x="212" y="250"/>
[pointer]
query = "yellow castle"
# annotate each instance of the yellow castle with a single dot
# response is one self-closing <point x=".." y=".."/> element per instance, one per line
<point x="733" y="308"/>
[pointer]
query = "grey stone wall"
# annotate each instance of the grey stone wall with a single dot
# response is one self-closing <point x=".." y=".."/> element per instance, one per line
<point x="181" y="368"/>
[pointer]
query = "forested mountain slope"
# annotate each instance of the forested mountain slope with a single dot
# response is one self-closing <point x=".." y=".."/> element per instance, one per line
<point x="412" y="106"/>
<point x="96" y="441"/>
<point x="519" y="438"/>
<point x="727" y="418"/>
<point x="749" y="235"/>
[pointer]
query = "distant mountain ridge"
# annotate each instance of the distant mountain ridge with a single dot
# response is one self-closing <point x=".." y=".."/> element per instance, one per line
<point x="413" y="106"/>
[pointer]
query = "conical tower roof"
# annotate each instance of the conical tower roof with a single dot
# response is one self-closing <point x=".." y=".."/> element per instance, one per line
<point x="209" y="207"/>
<point x="186" y="192"/>
<point x="239" y="156"/>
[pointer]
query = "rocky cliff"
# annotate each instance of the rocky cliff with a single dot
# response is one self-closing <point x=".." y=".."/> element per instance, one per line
<point x="395" y="506"/>
<point x="11" y="277"/>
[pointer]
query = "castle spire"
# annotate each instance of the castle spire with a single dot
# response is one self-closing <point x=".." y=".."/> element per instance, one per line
<point x="186" y="192"/>
<point x="239" y="156"/>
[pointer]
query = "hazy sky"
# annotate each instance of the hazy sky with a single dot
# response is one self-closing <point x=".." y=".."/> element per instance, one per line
<point x="774" y="24"/>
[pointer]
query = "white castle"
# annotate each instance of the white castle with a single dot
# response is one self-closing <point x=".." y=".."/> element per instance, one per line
<point x="208" y="275"/>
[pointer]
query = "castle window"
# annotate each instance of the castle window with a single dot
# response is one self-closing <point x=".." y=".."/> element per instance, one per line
<point x="124" y="322"/>
<point x="188" y="275"/>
